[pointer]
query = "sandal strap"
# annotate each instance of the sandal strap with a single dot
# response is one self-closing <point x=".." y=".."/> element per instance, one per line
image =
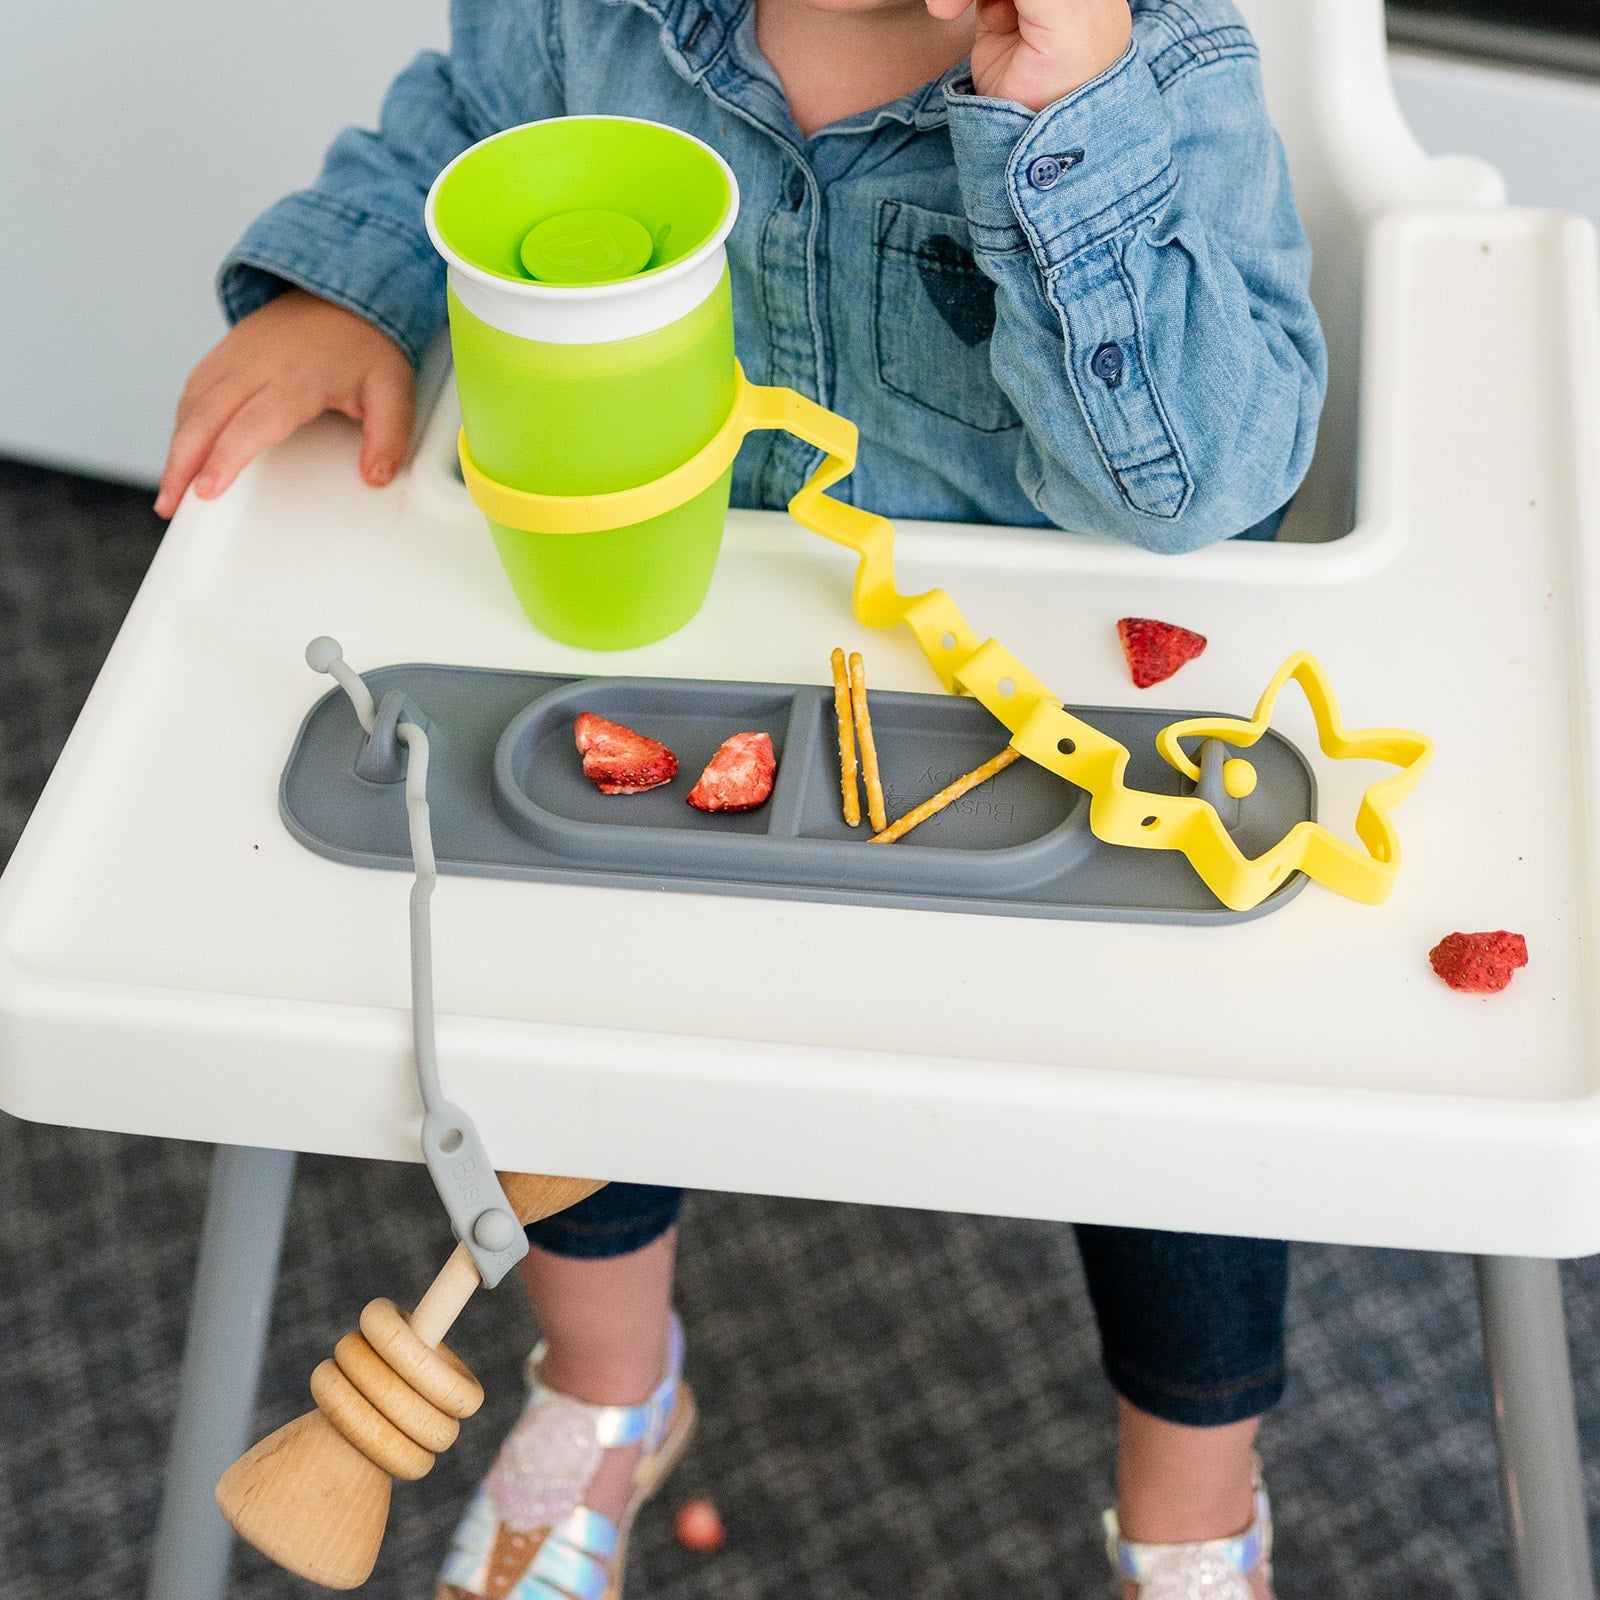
<point x="574" y="1558"/>
<point x="1243" y="1552"/>
<point x="621" y="1425"/>
<point x="572" y="1563"/>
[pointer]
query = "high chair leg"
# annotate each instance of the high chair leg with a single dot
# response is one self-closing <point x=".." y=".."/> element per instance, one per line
<point x="1530" y="1379"/>
<point x="233" y="1288"/>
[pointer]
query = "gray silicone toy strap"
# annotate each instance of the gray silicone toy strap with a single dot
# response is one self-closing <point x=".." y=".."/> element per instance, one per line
<point x="479" y="1212"/>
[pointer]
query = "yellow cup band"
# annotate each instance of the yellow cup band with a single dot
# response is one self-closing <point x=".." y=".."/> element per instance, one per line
<point x="754" y="407"/>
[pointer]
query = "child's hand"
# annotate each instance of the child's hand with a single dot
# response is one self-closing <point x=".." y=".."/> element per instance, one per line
<point x="1037" y="51"/>
<point x="295" y="358"/>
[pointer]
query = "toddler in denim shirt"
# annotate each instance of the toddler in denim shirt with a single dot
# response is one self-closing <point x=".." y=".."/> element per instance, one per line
<point x="1045" y="254"/>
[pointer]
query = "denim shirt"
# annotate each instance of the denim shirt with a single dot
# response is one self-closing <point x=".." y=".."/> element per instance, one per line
<point x="1096" y="316"/>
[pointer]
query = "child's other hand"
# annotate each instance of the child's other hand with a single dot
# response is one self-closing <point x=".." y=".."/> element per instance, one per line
<point x="1037" y="51"/>
<point x="282" y="365"/>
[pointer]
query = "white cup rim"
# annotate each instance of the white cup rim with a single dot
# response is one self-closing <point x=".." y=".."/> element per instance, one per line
<point x="586" y="294"/>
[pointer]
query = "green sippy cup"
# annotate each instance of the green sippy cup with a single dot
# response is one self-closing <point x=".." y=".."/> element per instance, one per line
<point x="591" y="323"/>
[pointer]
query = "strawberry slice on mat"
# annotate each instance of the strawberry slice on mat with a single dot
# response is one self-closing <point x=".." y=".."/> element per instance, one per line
<point x="1155" y="650"/>
<point x="738" y="777"/>
<point x="1479" y="963"/>
<point x="619" y="760"/>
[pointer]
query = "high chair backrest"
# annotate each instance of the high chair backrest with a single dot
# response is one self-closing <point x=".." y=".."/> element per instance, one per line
<point x="1352" y="157"/>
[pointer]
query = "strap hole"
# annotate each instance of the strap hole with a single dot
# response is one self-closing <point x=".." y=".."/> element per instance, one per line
<point x="1067" y="746"/>
<point x="1007" y="687"/>
<point x="947" y="642"/>
<point x="1151" y="822"/>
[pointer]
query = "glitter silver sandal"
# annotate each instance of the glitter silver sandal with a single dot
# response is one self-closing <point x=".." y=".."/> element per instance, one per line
<point x="1214" y="1570"/>
<point x="527" y="1534"/>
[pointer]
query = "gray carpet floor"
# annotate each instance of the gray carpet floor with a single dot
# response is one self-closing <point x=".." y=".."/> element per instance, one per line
<point x="895" y="1403"/>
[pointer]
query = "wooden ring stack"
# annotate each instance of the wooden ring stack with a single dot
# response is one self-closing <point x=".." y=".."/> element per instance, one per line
<point x="398" y="1420"/>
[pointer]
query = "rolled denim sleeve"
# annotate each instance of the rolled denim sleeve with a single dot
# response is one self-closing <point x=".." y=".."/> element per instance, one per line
<point x="1154" y="325"/>
<point x="357" y="237"/>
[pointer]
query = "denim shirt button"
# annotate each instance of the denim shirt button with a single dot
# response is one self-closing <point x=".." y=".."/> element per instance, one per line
<point x="1044" y="172"/>
<point x="1106" y="365"/>
<point x="795" y="189"/>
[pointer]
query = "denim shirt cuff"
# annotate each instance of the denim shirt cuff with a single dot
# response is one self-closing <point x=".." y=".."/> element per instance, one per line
<point x="1070" y="176"/>
<point x="367" y="263"/>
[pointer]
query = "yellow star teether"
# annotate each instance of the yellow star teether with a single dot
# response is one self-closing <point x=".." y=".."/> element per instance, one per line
<point x="1041" y="729"/>
<point x="1308" y="847"/>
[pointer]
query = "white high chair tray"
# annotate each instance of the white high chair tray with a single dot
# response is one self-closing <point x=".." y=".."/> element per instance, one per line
<point x="172" y="962"/>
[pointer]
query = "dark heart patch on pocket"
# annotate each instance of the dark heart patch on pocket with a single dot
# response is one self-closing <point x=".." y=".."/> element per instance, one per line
<point x="956" y="285"/>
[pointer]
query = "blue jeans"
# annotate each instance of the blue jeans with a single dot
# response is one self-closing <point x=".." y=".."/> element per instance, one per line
<point x="1191" y="1324"/>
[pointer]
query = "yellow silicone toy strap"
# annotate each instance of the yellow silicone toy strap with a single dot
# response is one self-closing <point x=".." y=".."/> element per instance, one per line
<point x="1041" y="729"/>
<point x="1053" y="738"/>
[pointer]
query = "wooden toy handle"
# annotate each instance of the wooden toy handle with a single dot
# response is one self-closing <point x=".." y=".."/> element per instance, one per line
<point x="314" y="1496"/>
<point x="532" y="1198"/>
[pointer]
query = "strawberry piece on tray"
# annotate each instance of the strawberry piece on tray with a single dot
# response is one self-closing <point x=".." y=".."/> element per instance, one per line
<point x="619" y="760"/>
<point x="738" y="777"/>
<point x="1155" y="650"/>
<point x="1479" y="963"/>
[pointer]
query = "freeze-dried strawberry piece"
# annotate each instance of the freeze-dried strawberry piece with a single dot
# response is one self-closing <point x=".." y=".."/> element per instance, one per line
<point x="619" y="760"/>
<point x="738" y="777"/>
<point x="1479" y="963"/>
<point x="1155" y="650"/>
<point x="699" y="1527"/>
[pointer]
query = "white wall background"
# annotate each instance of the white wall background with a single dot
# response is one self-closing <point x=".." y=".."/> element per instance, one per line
<point x="1542" y="132"/>
<point x="136" y="141"/>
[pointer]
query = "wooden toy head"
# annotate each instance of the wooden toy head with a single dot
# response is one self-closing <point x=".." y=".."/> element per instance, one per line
<point x="308" y="1499"/>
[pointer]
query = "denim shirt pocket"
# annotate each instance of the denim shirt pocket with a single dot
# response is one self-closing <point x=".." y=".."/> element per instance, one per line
<point x="932" y="318"/>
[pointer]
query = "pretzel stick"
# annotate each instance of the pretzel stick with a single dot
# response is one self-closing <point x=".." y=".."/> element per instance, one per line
<point x="869" y="749"/>
<point x="848" y="788"/>
<point x="938" y="802"/>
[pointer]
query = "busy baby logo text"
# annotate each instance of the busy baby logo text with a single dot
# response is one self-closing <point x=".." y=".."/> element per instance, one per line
<point x="982" y="803"/>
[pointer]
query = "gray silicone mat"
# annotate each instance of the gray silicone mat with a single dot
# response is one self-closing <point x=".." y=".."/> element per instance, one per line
<point x="509" y="799"/>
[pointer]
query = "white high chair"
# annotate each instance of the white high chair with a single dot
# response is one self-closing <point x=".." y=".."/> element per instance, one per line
<point x="1353" y="161"/>
<point x="172" y="963"/>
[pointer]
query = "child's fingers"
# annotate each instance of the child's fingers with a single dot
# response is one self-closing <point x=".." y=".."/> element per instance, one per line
<point x="267" y="418"/>
<point x="1003" y="16"/>
<point x="386" y="412"/>
<point x="184" y="456"/>
<point x="214" y="369"/>
<point x="947" y="10"/>
<point x="200" y="420"/>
